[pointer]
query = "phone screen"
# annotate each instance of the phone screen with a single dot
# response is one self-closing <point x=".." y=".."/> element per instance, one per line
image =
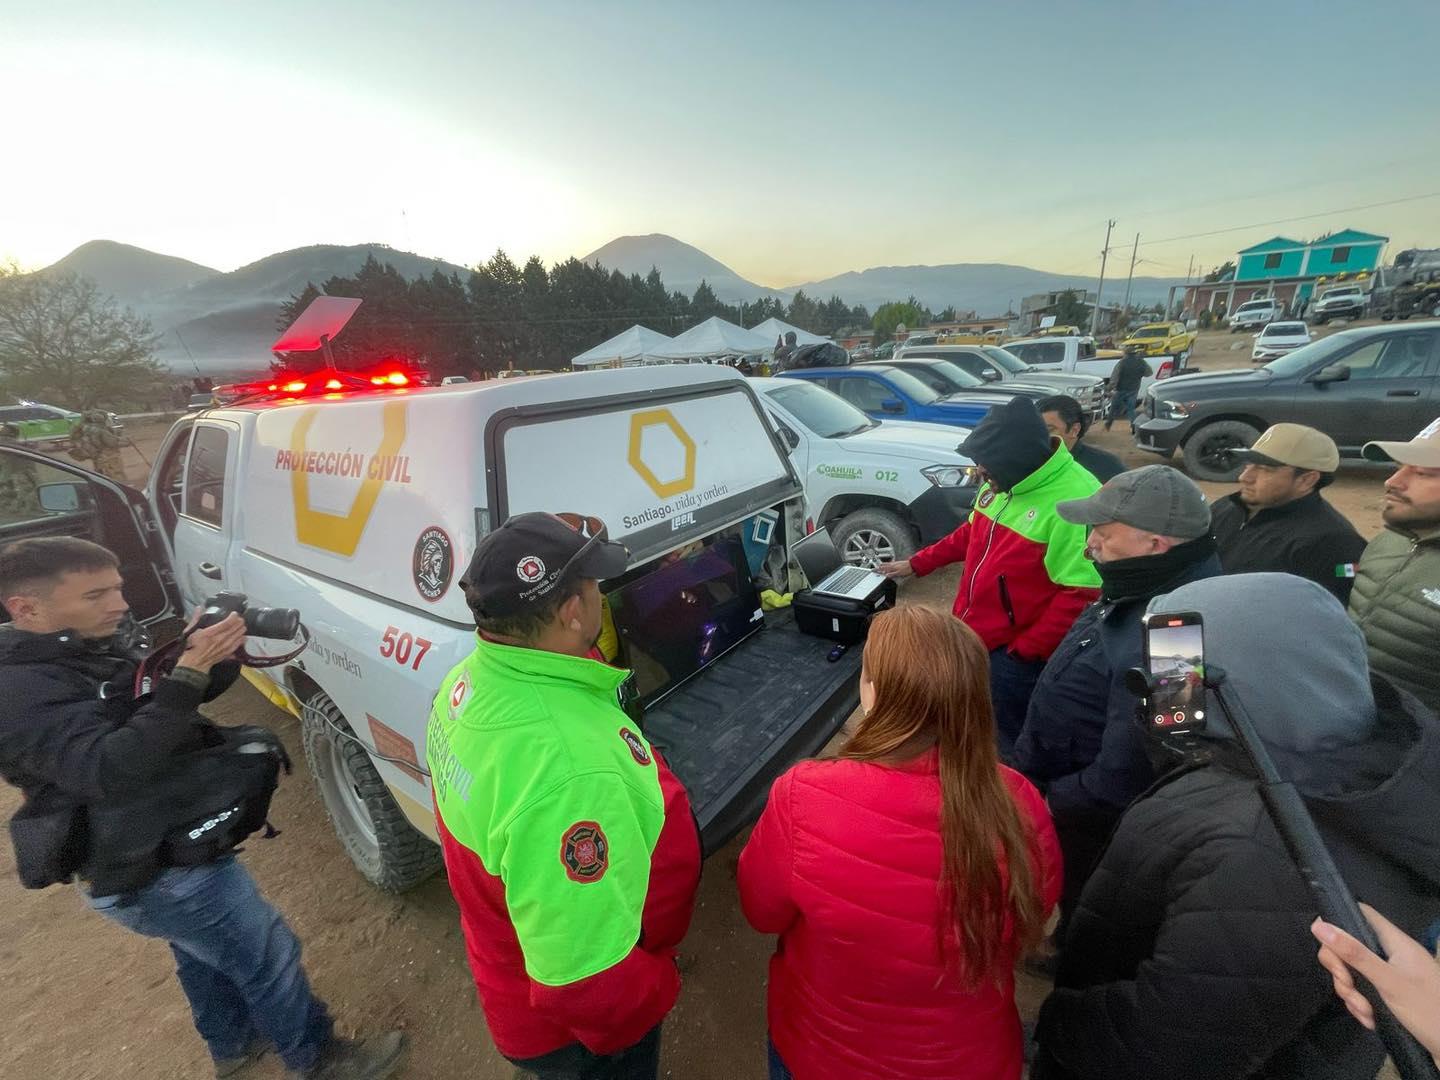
<point x="1175" y="660"/>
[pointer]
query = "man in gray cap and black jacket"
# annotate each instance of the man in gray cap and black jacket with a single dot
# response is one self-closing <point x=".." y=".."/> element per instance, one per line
<point x="1149" y="534"/>
<point x="1277" y="522"/>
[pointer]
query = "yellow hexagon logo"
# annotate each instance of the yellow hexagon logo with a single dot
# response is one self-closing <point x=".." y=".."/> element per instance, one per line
<point x="652" y="459"/>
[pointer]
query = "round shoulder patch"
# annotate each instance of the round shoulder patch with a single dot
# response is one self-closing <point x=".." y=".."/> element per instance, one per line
<point x="636" y="745"/>
<point x="433" y="563"/>
<point x="585" y="852"/>
<point x="986" y="498"/>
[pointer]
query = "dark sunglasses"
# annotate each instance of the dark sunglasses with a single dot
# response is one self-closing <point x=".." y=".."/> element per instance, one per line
<point x="591" y="528"/>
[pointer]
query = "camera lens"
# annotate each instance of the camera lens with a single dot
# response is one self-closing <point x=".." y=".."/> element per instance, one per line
<point x="280" y="624"/>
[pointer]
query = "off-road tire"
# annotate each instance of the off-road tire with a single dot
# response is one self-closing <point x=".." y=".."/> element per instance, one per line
<point x="1201" y="459"/>
<point x="397" y="857"/>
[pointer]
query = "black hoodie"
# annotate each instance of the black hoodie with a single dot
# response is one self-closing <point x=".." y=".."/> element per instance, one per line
<point x="1010" y="443"/>
<point x="1190" y="955"/>
<point x="73" y="735"/>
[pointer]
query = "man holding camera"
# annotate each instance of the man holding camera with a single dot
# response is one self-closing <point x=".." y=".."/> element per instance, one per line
<point x="120" y="780"/>
<point x="1190" y="955"/>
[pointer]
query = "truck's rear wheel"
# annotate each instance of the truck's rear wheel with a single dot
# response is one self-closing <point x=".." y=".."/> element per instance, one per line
<point x="373" y="830"/>
<point x="1207" y="451"/>
<point x="873" y="536"/>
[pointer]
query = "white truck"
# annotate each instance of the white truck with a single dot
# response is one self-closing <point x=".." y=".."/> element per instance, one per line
<point x="1079" y="355"/>
<point x="882" y="487"/>
<point x="361" y="508"/>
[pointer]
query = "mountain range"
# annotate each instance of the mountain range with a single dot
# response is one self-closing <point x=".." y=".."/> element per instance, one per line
<point x="225" y="321"/>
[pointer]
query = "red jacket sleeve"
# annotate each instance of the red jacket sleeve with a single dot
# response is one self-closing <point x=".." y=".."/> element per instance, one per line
<point x="946" y="550"/>
<point x="1047" y="863"/>
<point x="674" y="868"/>
<point x="1038" y="640"/>
<point x="765" y="874"/>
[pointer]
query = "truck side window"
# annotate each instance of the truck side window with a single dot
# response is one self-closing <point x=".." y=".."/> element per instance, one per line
<point x="205" y="475"/>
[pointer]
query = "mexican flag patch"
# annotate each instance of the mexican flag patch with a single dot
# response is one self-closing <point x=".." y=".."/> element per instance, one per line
<point x="1345" y="569"/>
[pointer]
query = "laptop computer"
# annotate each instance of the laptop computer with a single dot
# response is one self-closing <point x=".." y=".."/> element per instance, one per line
<point x="827" y="572"/>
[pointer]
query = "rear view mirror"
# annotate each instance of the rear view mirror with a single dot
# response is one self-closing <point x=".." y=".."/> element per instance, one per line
<point x="1333" y="373"/>
<point x="65" y="498"/>
<point x="892" y="405"/>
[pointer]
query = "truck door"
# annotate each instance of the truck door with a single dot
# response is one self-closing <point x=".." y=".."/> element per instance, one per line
<point x="1389" y="394"/>
<point x="40" y="496"/>
<point x="205" y="525"/>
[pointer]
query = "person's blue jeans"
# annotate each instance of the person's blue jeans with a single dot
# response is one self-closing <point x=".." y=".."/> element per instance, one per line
<point x="778" y="1068"/>
<point x="1012" y="681"/>
<point x="237" y="960"/>
<point x="1121" y="404"/>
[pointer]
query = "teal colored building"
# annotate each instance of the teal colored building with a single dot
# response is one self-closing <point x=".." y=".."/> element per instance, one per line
<point x="1346" y="252"/>
<point x="1290" y="270"/>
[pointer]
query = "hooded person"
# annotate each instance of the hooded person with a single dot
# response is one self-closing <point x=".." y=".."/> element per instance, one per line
<point x="1026" y="577"/>
<point x="1189" y="955"/>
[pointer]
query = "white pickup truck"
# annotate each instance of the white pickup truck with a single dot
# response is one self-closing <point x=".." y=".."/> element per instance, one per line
<point x="1078" y="354"/>
<point x="883" y="487"/>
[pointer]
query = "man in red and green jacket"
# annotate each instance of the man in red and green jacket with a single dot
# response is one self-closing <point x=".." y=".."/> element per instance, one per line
<point x="1026" y="576"/>
<point x="569" y="845"/>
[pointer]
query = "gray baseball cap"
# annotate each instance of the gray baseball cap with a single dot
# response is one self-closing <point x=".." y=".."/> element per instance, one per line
<point x="1155" y="499"/>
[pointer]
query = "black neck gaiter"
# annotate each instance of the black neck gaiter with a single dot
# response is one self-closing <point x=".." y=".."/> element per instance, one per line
<point x="1150" y="575"/>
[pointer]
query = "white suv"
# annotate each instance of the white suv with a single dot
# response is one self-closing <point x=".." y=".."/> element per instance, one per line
<point x="1255" y="313"/>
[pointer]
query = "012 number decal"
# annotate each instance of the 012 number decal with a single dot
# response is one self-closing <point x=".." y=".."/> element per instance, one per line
<point x="403" y="648"/>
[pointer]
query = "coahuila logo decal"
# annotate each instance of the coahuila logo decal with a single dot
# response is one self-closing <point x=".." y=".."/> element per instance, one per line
<point x="661" y="476"/>
<point x="340" y="533"/>
<point x="840" y="472"/>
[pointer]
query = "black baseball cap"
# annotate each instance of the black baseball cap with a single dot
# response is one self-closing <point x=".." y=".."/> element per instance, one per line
<point x="518" y="565"/>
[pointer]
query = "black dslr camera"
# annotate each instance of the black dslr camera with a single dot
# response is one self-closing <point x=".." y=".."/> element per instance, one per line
<point x="277" y="624"/>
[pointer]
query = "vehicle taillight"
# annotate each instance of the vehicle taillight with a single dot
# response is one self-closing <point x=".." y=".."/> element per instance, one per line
<point x="1165" y="369"/>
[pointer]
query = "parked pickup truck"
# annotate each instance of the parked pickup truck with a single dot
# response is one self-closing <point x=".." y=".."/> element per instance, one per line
<point x="44" y="427"/>
<point x="1339" y="302"/>
<point x="1078" y="354"/>
<point x="1162" y="339"/>
<point x="883" y="487"/>
<point x="1376" y="382"/>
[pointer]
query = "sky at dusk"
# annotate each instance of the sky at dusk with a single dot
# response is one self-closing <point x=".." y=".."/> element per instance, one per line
<point x="791" y="141"/>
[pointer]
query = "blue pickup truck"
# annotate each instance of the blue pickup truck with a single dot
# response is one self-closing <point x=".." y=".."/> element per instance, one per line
<point x="883" y="392"/>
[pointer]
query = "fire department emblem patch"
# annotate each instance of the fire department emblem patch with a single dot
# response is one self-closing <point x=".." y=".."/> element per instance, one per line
<point x="530" y="569"/>
<point x="637" y="747"/>
<point x="585" y="852"/>
<point x="433" y="563"/>
<point x="986" y="499"/>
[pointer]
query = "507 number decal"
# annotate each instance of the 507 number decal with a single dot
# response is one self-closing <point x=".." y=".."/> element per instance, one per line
<point x="403" y="648"/>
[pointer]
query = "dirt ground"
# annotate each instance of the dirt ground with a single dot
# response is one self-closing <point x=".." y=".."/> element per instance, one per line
<point x="83" y="999"/>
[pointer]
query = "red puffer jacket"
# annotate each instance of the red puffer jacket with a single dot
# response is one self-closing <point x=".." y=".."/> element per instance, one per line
<point x="845" y="865"/>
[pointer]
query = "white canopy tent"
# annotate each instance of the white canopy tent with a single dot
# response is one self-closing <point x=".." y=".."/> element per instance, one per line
<point x="715" y="337"/>
<point x="773" y="328"/>
<point x="633" y="346"/>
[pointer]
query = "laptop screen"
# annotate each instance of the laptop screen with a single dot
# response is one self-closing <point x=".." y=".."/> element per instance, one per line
<point x="685" y="612"/>
<point x="817" y="556"/>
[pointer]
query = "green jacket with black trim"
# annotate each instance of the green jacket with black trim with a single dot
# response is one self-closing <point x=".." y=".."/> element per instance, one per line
<point x="569" y="845"/>
<point x="1026" y="577"/>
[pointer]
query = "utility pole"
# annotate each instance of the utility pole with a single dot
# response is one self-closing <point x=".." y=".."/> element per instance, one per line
<point x="1134" y="251"/>
<point x="1100" y="289"/>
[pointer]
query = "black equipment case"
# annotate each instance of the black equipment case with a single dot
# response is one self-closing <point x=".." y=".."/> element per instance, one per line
<point x="841" y="618"/>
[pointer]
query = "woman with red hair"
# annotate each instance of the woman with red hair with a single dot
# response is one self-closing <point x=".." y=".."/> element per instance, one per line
<point x="905" y="877"/>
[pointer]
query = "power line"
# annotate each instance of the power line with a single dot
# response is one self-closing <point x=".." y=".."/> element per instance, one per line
<point x="1298" y="217"/>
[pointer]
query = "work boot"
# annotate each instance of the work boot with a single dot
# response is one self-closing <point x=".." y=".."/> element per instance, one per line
<point x="358" y="1059"/>
<point x="237" y="1067"/>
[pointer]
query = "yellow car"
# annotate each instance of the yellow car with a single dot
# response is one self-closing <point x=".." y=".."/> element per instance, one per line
<point x="1161" y="339"/>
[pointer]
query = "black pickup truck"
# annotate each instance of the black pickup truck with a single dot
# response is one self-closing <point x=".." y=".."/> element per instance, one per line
<point x="1375" y="382"/>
